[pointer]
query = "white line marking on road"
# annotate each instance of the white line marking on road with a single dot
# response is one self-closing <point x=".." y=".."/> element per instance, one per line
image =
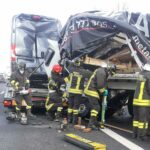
<point x="122" y="140"/>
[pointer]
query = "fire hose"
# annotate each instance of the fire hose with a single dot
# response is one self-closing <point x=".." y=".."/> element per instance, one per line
<point x="104" y="107"/>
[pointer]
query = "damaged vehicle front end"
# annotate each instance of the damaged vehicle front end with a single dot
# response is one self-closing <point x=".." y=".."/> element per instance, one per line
<point x="121" y="39"/>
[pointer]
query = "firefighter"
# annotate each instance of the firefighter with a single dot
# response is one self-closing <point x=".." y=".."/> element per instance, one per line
<point x="141" y="105"/>
<point x="76" y="85"/>
<point x="21" y="84"/>
<point x="56" y="98"/>
<point x="94" y="89"/>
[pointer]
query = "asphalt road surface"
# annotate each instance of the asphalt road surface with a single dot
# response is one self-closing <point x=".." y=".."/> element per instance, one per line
<point x="14" y="136"/>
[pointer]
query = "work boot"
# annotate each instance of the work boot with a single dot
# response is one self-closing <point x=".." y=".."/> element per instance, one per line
<point x="142" y="138"/>
<point x="29" y="114"/>
<point x="142" y="135"/>
<point x="11" y="116"/>
<point x="64" y="124"/>
<point x="134" y="135"/>
<point x="135" y="132"/>
<point x="148" y="134"/>
<point x="23" y="119"/>
<point x="18" y="115"/>
<point x="70" y="117"/>
<point x="101" y="125"/>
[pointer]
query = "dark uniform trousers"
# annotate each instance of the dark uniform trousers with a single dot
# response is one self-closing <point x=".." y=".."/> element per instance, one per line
<point x="95" y="108"/>
<point x="74" y="102"/>
<point x="140" y="121"/>
<point x="54" y="103"/>
<point x="26" y="98"/>
<point x="76" y="81"/>
<point x="95" y="86"/>
<point x="141" y="110"/>
<point x="20" y="81"/>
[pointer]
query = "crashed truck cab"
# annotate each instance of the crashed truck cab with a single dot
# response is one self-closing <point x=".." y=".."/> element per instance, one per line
<point x="120" y="38"/>
<point x="33" y="37"/>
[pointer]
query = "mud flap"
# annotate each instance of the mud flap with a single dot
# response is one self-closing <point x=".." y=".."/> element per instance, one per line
<point x="83" y="143"/>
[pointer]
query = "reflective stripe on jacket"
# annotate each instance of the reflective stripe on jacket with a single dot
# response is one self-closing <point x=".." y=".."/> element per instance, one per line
<point x="52" y="98"/>
<point x="141" y="97"/>
<point x="96" y="83"/>
<point x="75" y="83"/>
<point x="19" y="80"/>
<point x="88" y="90"/>
<point x="142" y="92"/>
<point x="77" y="78"/>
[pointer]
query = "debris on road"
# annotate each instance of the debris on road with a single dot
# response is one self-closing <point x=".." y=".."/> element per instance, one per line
<point x="84" y="143"/>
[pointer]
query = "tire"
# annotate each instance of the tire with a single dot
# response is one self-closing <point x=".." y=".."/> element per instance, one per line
<point x="84" y="108"/>
<point x="116" y="103"/>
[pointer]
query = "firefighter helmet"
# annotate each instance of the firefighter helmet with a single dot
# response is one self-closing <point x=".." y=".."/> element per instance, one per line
<point x="57" y="68"/>
<point x="21" y="65"/>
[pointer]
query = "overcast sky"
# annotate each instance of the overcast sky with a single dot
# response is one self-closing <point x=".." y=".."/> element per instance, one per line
<point x="60" y="9"/>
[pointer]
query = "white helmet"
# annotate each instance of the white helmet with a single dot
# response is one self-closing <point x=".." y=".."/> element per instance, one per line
<point x="146" y="67"/>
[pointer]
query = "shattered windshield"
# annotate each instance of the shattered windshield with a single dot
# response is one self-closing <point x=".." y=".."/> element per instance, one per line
<point x="31" y="35"/>
<point x="25" y="43"/>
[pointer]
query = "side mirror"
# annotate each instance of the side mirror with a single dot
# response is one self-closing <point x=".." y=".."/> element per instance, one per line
<point x="48" y="56"/>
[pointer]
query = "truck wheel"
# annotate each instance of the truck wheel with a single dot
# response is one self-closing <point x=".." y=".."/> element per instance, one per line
<point x="84" y="108"/>
<point x="115" y="103"/>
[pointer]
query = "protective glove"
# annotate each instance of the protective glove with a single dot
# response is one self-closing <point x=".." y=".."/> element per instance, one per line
<point x="18" y="88"/>
<point x="24" y="92"/>
<point x="101" y="91"/>
<point x="27" y="86"/>
<point x="64" y="99"/>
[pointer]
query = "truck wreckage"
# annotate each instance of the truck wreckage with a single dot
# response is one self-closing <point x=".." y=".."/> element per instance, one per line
<point x="117" y="38"/>
<point x="31" y="37"/>
<point x="121" y="39"/>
